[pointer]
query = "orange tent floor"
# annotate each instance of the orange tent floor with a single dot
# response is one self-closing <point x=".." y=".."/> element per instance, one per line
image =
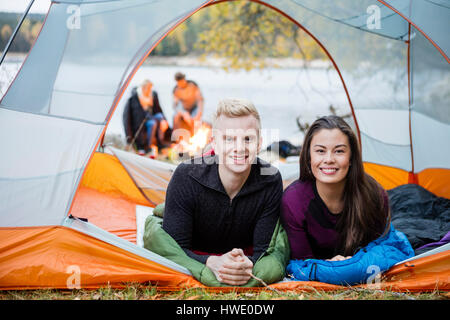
<point x="114" y="214"/>
<point x="118" y="216"/>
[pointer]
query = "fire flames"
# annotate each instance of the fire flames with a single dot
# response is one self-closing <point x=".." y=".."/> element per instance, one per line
<point x="197" y="142"/>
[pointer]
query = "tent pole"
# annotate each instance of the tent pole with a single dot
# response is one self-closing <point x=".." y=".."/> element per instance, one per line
<point x="412" y="176"/>
<point x="15" y="31"/>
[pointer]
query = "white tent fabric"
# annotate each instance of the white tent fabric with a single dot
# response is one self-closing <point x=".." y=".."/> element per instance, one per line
<point x="41" y="166"/>
<point x="431" y="16"/>
<point x="390" y="143"/>
<point x="55" y="110"/>
<point x="430" y="138"/>
<point x="150" y="176"/>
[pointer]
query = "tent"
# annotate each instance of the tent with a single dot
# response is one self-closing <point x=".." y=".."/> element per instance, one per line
<point x="54" y="175"/>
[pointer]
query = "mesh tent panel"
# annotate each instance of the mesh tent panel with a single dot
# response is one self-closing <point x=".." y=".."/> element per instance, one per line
<point x="374" y="69"/>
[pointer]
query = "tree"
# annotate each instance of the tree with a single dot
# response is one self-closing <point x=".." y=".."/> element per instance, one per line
<point x="5" y="34"/>
<point x="246" y="33"/>
<point x="27" y="32"/>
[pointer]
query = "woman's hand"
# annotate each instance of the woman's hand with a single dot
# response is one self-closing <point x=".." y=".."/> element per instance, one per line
<point x="338" y="258"/>
<point x="233" y="268"/>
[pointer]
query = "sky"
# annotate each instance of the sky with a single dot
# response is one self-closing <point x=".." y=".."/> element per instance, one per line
<point x="39" y="6"/>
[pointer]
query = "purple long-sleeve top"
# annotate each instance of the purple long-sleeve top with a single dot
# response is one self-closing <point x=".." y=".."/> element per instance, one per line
<point x="309" y="224"/>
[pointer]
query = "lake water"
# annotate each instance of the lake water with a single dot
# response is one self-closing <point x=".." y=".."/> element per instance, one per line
<point x="280" y="94"/>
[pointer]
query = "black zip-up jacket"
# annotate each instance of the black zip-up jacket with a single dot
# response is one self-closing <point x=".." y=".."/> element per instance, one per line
<point x="200" y="215"/>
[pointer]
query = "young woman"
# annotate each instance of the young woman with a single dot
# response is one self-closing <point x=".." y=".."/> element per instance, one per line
<point x="335" y="208"/>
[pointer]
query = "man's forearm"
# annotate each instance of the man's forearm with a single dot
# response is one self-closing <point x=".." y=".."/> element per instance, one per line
<point x="199" y="257"/>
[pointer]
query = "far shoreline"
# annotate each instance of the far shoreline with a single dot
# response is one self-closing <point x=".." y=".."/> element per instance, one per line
<point x="197" y="61"/>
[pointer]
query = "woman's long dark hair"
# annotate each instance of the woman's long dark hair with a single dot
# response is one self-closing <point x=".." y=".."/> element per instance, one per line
<point x="364" y="217"/>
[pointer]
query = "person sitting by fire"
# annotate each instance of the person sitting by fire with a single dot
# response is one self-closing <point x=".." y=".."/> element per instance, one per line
<point x="141" y="118"/>
<point x="188" y="94"/>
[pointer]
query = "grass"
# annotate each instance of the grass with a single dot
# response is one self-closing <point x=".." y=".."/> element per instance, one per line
<point x="149" y="292"/>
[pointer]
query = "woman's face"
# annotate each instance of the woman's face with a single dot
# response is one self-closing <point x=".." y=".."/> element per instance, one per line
<point x="330" y="156"/>
<point x="147" y="89"/>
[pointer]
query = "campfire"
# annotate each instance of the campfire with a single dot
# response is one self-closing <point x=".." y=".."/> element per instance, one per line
<point x="196" y="144"/>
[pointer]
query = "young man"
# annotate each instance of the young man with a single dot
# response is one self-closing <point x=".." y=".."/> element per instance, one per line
<point x="189" y="95"/>
<point x="222" y="209"/>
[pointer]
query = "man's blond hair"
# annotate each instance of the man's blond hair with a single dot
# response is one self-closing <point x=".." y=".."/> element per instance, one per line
<point x="234" y="108"/>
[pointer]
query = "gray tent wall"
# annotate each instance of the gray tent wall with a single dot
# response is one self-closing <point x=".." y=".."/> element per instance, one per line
<point x="57" y="107"/>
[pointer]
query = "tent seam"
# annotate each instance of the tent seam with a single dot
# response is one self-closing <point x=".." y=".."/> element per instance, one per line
<point x="2" y="106"/>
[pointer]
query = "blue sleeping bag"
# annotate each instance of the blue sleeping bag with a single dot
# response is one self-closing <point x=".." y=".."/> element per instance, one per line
<point x="378" y="256"/>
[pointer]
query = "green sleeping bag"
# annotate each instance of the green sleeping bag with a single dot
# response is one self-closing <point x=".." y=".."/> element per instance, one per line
<point x="270" y="267"/>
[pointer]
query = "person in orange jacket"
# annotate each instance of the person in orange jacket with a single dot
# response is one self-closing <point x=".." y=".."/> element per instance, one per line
<point x="188" y="103"/>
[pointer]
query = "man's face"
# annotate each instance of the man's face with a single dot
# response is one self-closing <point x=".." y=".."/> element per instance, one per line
<point x="236" y="142"/>
<point x="182" y="83"/>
